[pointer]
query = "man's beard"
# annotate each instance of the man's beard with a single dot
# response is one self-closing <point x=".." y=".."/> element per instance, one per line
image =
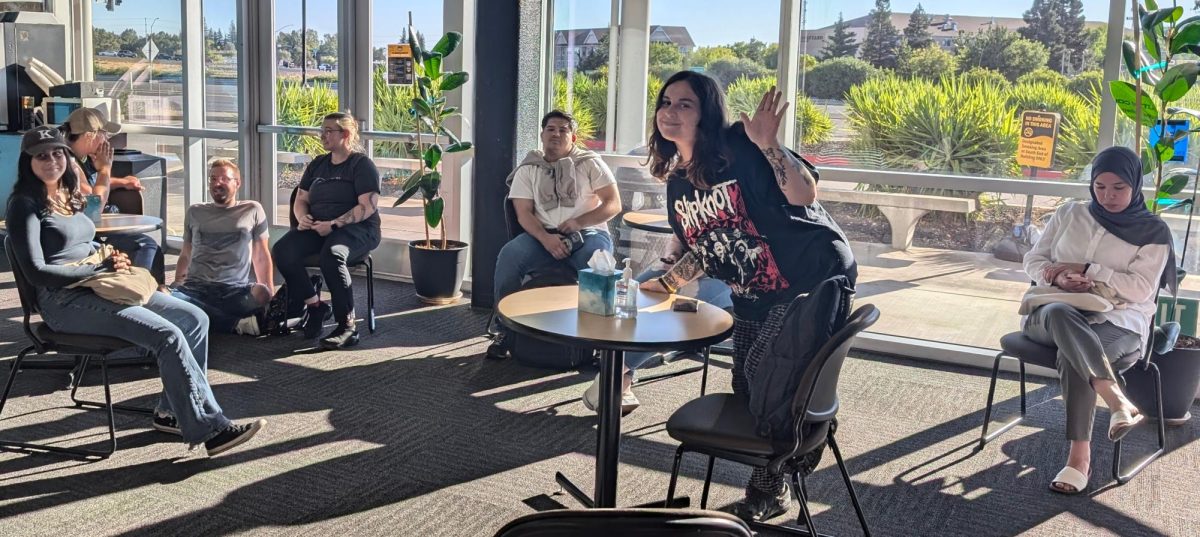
<point x="221" y="197"/>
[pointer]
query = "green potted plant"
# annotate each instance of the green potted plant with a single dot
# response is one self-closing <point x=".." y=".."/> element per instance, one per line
<point x="1159" y="79"/>
<point x="437" y="265"/>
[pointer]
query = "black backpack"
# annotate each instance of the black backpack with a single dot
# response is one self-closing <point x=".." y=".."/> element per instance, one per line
<point x="811" y="319"/>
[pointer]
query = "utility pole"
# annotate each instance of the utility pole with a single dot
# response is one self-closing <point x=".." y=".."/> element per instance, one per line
<point x="303" y="42"/>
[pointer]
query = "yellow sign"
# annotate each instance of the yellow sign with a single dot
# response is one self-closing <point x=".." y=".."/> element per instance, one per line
<point x="399" y="51"/>
<point x="1039" y="131"/>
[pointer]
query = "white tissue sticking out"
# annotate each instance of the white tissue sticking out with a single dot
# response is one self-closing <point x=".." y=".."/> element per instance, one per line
<point x="602" y="262"/>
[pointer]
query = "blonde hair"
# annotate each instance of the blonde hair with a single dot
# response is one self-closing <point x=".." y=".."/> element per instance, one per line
<point x="225" y="163"/>
<point x="346" y="121"/>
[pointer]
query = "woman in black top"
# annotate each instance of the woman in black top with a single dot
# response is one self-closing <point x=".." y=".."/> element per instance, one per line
<point x="745" y="209"/>
<point x="337" y="215"/>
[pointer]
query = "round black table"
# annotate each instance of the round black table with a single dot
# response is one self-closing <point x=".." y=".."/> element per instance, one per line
<point x="652" y="221"/>
<point x="551" y="314"/>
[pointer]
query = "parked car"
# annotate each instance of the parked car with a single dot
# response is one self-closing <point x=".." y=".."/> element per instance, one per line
<point x="127" y="54"/>
<point x="108" y="53"/>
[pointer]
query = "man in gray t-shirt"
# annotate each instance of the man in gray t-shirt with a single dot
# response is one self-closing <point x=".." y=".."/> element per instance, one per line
<point x="225" y="241"/>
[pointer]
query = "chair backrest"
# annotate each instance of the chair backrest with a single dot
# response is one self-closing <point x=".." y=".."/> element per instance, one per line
<point x="816" y="397"/>
<point x="25" y="290"/>
<point x="127" y="201"/>
<point x="627" y="523"/>
<point x="511" y="222"/>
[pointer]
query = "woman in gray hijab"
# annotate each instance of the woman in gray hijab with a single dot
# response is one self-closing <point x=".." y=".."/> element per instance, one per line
<point x="1112" y="246"/>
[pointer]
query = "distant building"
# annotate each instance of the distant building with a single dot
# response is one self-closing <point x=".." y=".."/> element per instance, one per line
<point x="943" y="28"/>
<point x="571" y="45"/>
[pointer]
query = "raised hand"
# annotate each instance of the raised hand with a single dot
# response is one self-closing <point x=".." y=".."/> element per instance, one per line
<point x="763" y="128"/>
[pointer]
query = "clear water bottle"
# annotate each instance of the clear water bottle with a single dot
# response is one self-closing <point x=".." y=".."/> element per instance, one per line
<point x="627" y="294"/>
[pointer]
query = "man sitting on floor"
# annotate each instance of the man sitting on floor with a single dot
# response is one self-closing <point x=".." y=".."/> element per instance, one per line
<point x="222" y="239"/>
<point x="563" y="197"/>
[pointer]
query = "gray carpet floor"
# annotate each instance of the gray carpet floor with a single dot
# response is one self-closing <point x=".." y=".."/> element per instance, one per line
<point x="415" y="433"/>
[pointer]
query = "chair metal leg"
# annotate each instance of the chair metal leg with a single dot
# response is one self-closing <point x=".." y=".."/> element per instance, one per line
<point x="707" y="482"/>
<point x="1123" y="478"/>
<point x="79" y="452"/>
<point x="112" y="420"/>
<point x="704" y="374"/>
<point x="858" y="510"/>
<point x="83" y="366"/>
<point x="984" y="437"/>
<point x="12" y="376"/>
<point x="370" y="294"/>
<point x="674" y="475"/>
<point x="805" y="516"/>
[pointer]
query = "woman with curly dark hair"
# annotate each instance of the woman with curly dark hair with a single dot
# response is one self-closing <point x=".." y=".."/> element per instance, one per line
<point x="745" y="209"/>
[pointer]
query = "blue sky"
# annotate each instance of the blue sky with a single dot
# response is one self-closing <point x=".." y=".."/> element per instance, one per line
<point x="710" y="22"/>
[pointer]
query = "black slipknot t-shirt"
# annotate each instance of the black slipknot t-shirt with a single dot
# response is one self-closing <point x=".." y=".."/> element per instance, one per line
<point x="746" y="234"/>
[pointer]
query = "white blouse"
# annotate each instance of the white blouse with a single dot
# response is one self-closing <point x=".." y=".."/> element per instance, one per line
<point x="1133" y="272"/>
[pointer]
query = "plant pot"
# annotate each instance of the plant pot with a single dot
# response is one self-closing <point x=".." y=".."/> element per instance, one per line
<point x="438" y="274"/>
<point x="1180" y="370"/>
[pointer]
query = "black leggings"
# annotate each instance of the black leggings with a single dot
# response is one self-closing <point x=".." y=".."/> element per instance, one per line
<point x="350" y="243"/>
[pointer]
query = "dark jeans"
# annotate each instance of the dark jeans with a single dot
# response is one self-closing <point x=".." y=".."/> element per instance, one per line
<point x="349" y="243"/>
<point x="225" y="304"/>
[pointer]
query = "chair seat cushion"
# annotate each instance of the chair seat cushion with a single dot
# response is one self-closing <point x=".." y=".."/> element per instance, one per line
<point x="1016" y="344"/>
<point x="79" y="343"/>
<point x="723" y="421"/>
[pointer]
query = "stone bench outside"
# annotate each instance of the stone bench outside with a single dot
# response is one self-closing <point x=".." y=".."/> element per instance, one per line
<point x="901" y="210"/>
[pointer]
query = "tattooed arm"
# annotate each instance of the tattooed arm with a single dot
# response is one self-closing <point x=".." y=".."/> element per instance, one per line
<point x="685" y="271"/>
<point x="368" y="204"/>
<point x="797" y="184"/>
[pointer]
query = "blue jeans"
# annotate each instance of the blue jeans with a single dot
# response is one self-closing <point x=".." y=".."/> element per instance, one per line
<point x="711" y="290"/>
<point x="224" y="304"/>
<point x="175" y="332"/>
<point x="524" y="255"/>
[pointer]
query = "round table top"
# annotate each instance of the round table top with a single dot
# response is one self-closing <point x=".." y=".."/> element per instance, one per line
<point x="120" y="224"/>
<point x="654" y="222"/>
<point x="551" y="313"/>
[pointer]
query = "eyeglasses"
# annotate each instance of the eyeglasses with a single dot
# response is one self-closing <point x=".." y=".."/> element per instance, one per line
<point x="326" y="131"/>
<point x="50" y="155"/>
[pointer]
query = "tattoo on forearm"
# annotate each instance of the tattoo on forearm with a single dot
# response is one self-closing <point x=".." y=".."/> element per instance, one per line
<point x="358" y="213"/>
<point x="684" y="271"/>
<point x="781" y="161"/>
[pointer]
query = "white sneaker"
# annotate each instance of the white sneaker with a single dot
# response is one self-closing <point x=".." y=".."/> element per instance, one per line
<point x="248" y="326"/>
<point x="591" y="397"/>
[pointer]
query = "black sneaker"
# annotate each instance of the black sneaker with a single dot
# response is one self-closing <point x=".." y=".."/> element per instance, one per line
<point x="345" y="335"/>
<point x="276" y="314"/>
<point x="166" y="423"/>
<point x="233" y="436"/>
<point x="760" y="506"/>
<point x="499" y="350"/>
<point x="314" y="317"/>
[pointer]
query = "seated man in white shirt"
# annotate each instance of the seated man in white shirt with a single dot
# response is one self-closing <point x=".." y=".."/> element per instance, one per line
<point x="563" y="197"/>
<point x="222" y="240"/>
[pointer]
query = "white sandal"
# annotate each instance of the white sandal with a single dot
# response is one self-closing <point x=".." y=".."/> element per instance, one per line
<point x="1070" y="477"/>
<point x="1123" y="421"/>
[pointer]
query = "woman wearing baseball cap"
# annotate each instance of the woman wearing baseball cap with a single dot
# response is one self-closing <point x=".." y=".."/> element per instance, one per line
<point x="87" y="131"/>
<point x="51" y="235"/>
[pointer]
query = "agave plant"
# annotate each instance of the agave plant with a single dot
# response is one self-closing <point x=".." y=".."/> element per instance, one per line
<point x="430" y="110"/>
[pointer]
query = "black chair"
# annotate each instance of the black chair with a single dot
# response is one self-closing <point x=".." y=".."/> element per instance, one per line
<point x="720" y="425"/>
<point x="626" y="523"/>
<point x="45" y="341"/>
<point x="1025" y="350"/>
<point x="314" y="261"/>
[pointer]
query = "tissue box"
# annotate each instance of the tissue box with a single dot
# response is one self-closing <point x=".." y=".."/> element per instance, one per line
<point x="598" y="292"/>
